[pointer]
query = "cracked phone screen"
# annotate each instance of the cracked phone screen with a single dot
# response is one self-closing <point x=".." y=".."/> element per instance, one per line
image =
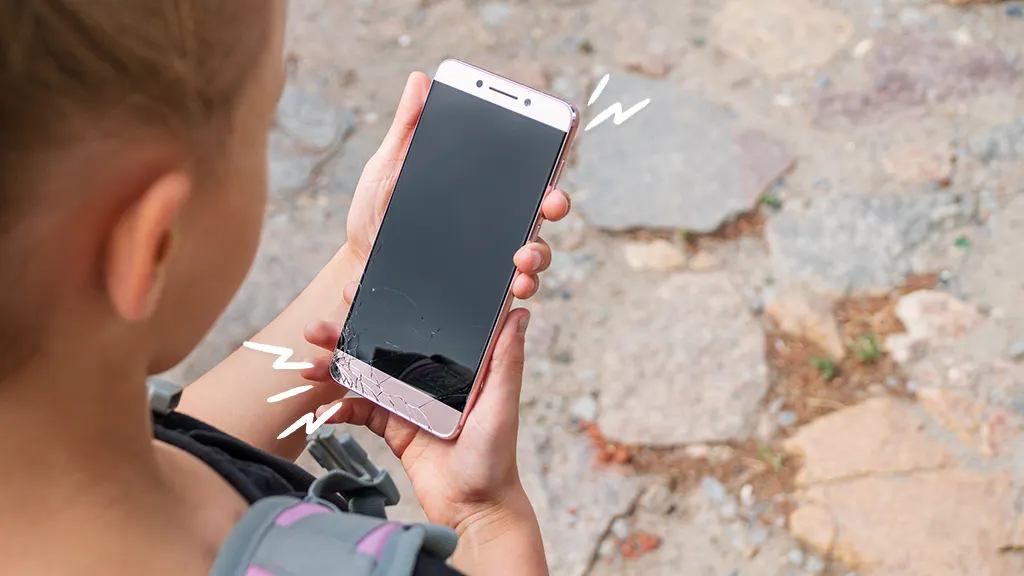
<point x="441" y="265"/>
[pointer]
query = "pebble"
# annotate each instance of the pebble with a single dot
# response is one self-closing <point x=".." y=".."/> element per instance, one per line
<point x="747" y="495"/>
<point x="1017" y="350"/>
<point x="814" y="565"/>
<point x="796" y="557"/>
<point x="783" y="100"/>
<point x="891" y="381"/>
<point x="713" y="489"/>
<point x="787" y="418"/>
<point x="608" y="548"/>
<point x="621" y="528"/>
<point x="584" y="408"/>
<point x="495" y="13"/>
<point x="565" y="87"/>
<point x="659" y="255"/>
<point x="404" y="40"/>
<point x="912" y="16"/>
<point x="1015" y="11"/>
<point x="776" y="406"/>
<point x="863" y="47"/>
<point x="962" y="36"/>
<point x="729" y="510"/>
<point x="912" y="386"/>
<point x="656" y="499"/>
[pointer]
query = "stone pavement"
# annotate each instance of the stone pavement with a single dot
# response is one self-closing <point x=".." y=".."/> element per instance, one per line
<point x="784" y="328"/>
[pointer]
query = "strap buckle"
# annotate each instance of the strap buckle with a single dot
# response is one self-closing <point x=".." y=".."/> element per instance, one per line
<point x="164" y="395"/>
<point x="367" y="489"/>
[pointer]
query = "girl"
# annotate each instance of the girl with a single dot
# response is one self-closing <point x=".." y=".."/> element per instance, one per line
<point x="133" y="146"/>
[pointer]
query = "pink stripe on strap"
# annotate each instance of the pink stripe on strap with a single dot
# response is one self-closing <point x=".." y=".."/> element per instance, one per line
<point x="374" y="542"/>
<point x="254" y="570"/>
<point x="298" y="512"/>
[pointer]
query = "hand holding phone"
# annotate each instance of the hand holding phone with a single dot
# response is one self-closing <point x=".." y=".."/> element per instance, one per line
<point x="437" y="283"/>
<point x="474" y="480"/>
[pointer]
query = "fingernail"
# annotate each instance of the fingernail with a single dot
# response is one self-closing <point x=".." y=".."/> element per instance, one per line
<point x="524" y="323"/>
<point x="535" y="260"/>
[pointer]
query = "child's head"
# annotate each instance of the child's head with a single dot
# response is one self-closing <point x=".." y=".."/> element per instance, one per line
<point x="132" y="170"/>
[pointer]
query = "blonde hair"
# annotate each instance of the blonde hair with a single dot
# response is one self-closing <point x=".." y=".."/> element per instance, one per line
<point x="70" y="68"/>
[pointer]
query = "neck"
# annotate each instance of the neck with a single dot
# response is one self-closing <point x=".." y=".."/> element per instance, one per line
<point x="76" y="443"/>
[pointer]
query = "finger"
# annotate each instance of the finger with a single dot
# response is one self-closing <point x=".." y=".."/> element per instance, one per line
<point x="499" y="400"/>
<point x="396" y="432"/>
<point x="533" y="258"/>
<point x="358" y="412"/>
<point x="556" y="206"/>
<point x="406" y="116"/>
<point x="525" y="286"/>
<point x="320" y="371"/>
<point x="323" y="334"/>
<point x="349" y="292"/>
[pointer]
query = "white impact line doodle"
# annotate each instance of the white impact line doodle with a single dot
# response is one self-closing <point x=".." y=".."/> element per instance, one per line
<point x="613" y="110"/>
<point x="309" y="420"/>
<point x="311" y="424"/>
<point x="289" y="393"/>
<point x="283" y="354"/>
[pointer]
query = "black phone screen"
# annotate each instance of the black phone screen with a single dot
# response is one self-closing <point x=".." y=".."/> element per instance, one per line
<point x="441" y="265"/>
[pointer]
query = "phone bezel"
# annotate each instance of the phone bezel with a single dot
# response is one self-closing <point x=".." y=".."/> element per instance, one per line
<point x="405" y="400"/>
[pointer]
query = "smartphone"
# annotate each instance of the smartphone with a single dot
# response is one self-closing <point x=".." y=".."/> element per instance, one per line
<point x="437" y="285"/>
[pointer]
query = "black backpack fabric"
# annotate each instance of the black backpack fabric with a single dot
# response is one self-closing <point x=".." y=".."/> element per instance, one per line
<point x="298" y="525"/>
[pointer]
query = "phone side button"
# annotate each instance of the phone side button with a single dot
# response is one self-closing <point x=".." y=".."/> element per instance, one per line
<point x="558" y="174"/>
<point x="536" y="230"/>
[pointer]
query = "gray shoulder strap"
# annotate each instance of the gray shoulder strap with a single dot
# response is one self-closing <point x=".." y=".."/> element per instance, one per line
<point x="283" y="536"/>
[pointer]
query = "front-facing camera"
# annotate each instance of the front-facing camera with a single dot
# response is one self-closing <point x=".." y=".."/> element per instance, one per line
<point x="479" y="83"/>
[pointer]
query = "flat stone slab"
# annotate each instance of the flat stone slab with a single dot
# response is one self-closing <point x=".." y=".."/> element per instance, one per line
<point x="781" y="37"/>
<point x="678" y="163"/>
<point x="841" y="245"/>
<point x="911" y="70"/>
<point x="881" y="434"/>
<point x="888" y="524"/>
<point x="878" y="488"/>
<point x="688" y="366"/>
<point x="994" y="273"/>
<point x="1001" y="142"/>
<point x="307" y="133"/>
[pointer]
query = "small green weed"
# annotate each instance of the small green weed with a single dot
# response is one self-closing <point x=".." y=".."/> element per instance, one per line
<point x="771" y="200"/>
<point x="867" y="349"/>
<point x="826" y="366"/>
<point x="770" y="457"/>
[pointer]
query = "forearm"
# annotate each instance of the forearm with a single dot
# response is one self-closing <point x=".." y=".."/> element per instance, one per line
<point x="507" y="541"/>
<point x="233" y="395"/>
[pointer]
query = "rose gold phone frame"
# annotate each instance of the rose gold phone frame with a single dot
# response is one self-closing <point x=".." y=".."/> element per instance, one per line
<point x="403" y="399"/>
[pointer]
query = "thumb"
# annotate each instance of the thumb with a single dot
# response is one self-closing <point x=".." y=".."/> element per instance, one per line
<point x="499" y="400"/>
<point x="406" y="117"/>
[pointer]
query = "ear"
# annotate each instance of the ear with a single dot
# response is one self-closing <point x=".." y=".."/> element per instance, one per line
<point x="139" y="248"/>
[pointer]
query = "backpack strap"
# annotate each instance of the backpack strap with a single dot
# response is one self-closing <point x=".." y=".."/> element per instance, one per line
<point x="283" y="536"/>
